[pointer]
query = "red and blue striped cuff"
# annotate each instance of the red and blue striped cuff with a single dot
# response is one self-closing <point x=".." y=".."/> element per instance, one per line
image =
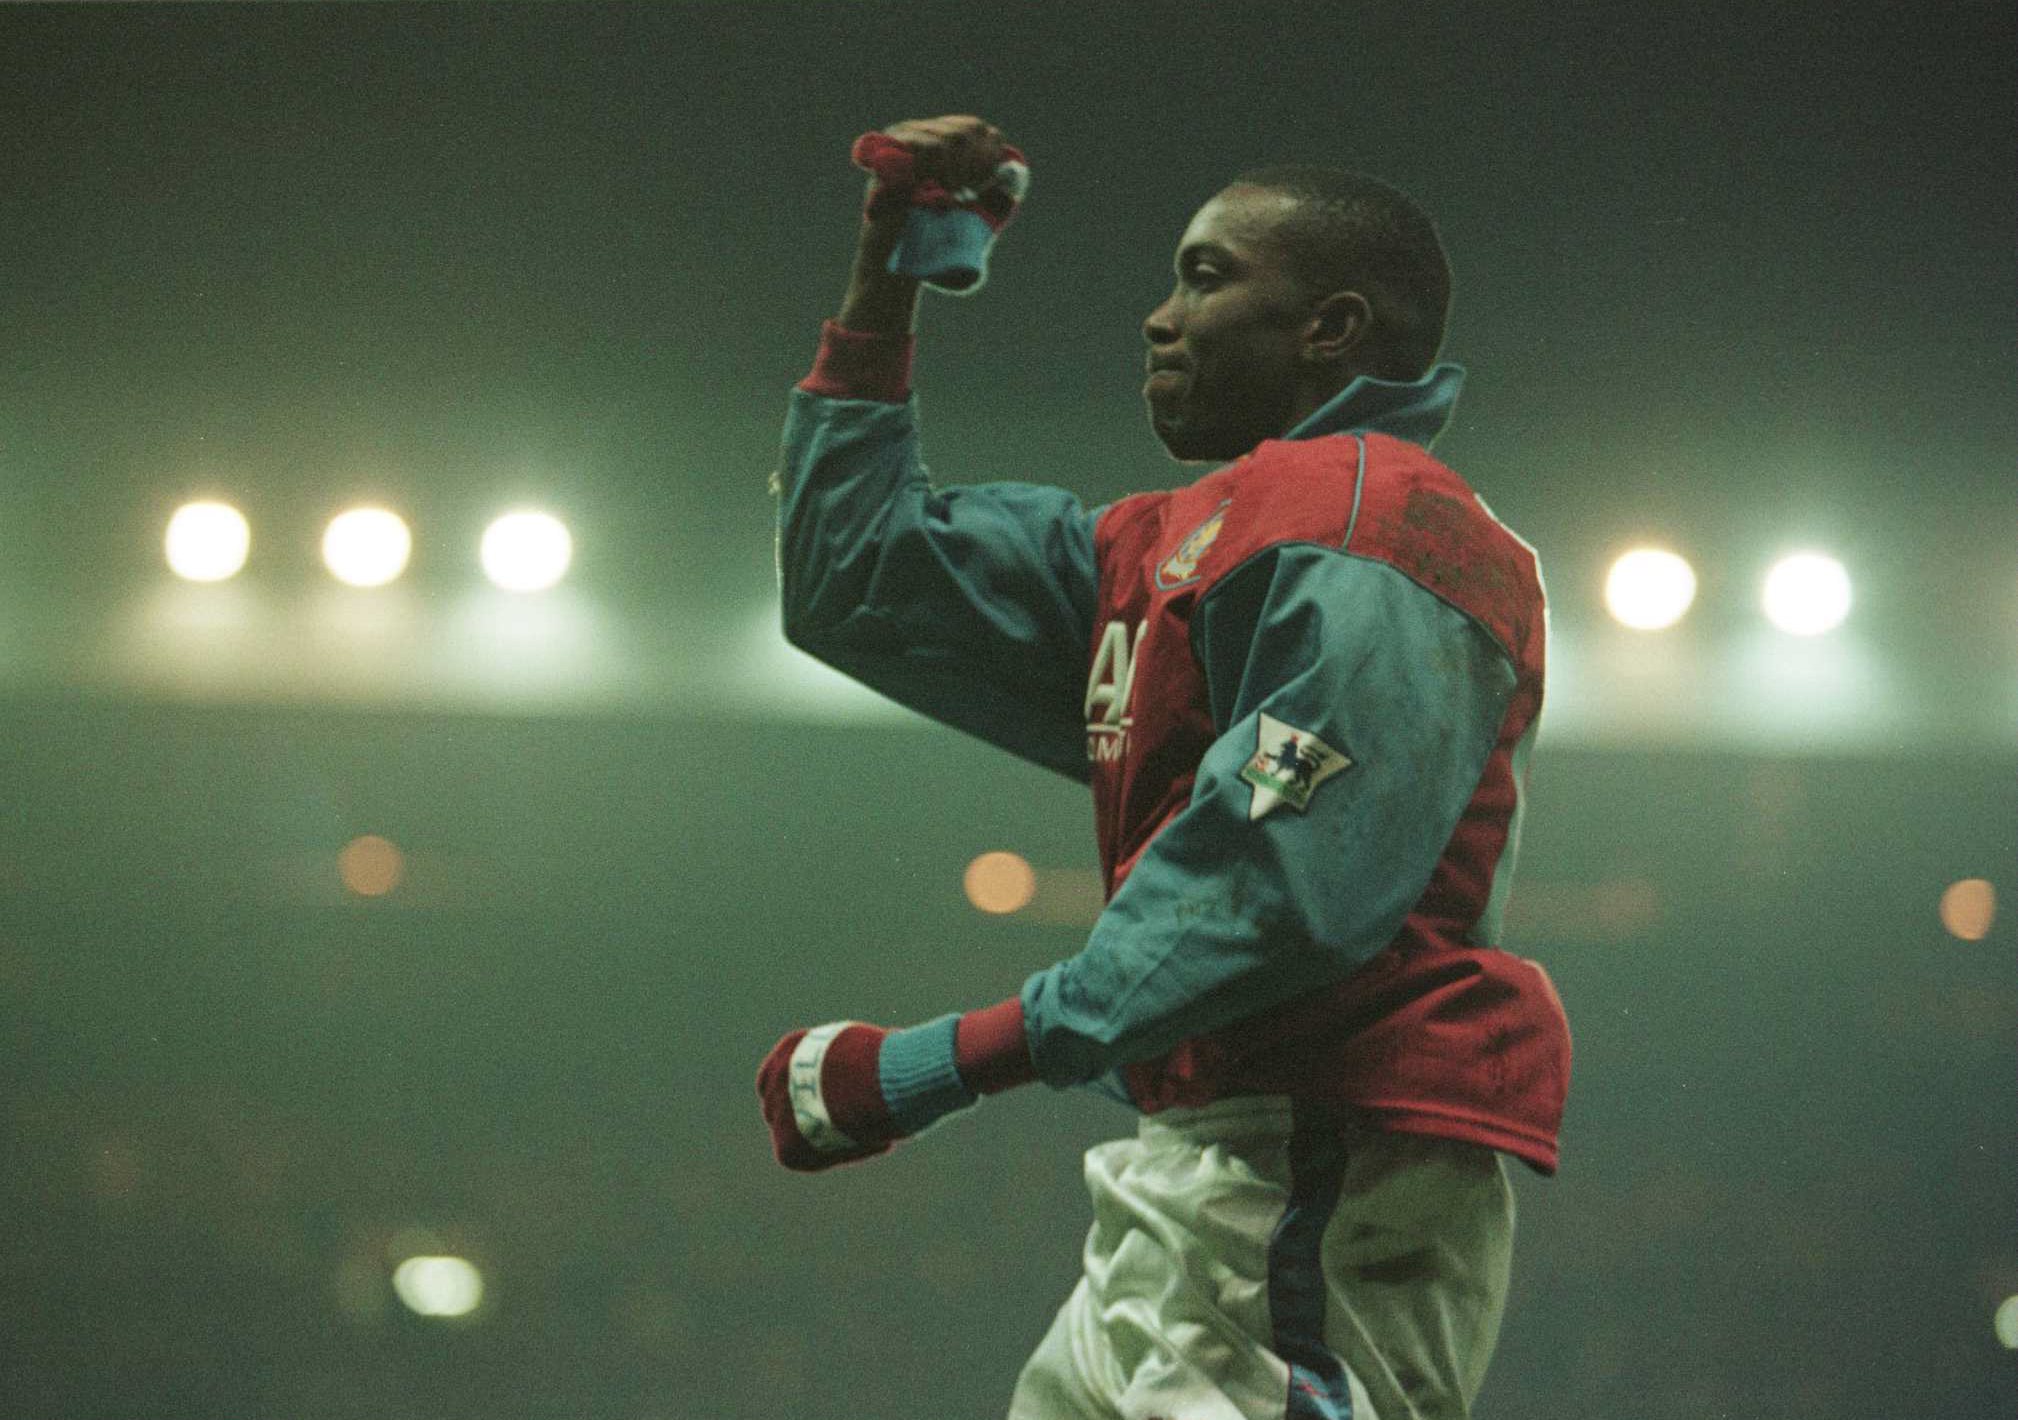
<point x="929" y="1071"/>
<point x="920" y="1075"/>
<point x="857" y="364"/>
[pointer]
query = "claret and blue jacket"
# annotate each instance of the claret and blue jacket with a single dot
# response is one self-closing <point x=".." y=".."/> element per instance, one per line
<point x="1302" y="689"/>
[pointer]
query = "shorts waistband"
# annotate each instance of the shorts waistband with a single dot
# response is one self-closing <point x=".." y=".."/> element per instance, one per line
<point x="1238" y="1116"/>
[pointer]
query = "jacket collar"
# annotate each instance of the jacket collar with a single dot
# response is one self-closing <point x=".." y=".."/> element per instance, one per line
<point x="1416" y="410"/>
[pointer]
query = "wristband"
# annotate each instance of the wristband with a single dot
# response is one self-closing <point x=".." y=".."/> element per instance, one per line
<point x="854" y="364"/>
<point x="920" y="1076"/>
<point x="992" y="1049"/>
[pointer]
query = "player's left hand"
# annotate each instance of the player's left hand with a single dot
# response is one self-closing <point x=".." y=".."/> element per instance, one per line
<point x="957" y="150"/>
<point x="822" y="1098"/>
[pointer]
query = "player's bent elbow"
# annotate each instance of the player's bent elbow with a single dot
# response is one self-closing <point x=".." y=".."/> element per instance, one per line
<point x="824" y="638"/>
<point x="802" y="632"/>
<point x="799" y="611"/>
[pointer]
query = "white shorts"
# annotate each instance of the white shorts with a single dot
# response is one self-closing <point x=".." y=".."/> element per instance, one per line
<point x="1251" y="1261"/>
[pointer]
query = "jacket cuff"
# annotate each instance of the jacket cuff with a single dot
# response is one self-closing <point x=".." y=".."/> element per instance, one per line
<point x="854" y="364"/>
<point x="920" y="1081"/>
<point x="992" y="1050"/>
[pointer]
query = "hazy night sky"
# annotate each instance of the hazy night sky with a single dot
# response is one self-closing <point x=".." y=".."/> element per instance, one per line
<point x="1733" y="277"/>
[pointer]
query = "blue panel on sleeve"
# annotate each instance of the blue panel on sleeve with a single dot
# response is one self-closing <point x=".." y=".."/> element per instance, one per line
<point x="972" y="605"/>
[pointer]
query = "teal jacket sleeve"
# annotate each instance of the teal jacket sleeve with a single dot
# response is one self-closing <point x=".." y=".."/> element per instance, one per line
<point x="972" y="605"/>
<point x="1355" y="712"/>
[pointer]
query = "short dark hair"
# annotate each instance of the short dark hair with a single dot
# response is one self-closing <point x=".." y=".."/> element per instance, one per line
<point x="1354" y="232"/>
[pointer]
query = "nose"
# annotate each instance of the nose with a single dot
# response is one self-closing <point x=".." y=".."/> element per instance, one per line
<point x="1157" y="326"/>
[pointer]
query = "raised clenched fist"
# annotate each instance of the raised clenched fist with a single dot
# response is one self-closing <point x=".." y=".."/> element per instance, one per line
<point x="958" y="150"/>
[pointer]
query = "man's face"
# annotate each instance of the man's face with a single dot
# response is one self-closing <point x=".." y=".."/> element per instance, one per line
<point x="1223" y="346"/>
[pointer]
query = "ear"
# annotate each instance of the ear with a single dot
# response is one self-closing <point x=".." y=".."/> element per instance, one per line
<point x="1338" y="324"/>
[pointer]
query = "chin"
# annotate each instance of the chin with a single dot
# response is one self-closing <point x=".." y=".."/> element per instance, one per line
<point x="1186" y="447"/>
<point x="1220" y="436"/>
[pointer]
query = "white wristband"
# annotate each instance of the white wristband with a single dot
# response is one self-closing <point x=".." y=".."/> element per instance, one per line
<point x="809" y="1110"/>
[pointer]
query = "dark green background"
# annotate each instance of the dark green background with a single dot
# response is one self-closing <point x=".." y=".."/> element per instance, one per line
<point x="1789" y="1169"/>
<point x="1727" y="275"/>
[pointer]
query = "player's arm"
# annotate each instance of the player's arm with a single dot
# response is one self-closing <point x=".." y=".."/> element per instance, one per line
<point x="1286" y="871"/>
<point x="973" y="605"/>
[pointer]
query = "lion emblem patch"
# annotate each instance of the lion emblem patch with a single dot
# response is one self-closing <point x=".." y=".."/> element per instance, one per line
<point x="1180" y="568"/>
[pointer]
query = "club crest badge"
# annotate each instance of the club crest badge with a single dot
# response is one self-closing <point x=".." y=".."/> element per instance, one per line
<point x="1287" y="766"/>
<point x="1180" y="568"/>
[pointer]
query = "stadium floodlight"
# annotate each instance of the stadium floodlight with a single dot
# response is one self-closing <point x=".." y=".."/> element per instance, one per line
<point x="366" y="547"/>
<point x="371" y="866"/>
<point x="1807" y="593"/>
<point x="526" y="551"/>
<point x="1649" y="589"/>
<point x="207" y="542"/>
<point x="438" y="1286"/>
<point x="999" y="883"/>
<point x="1968" y="908"/>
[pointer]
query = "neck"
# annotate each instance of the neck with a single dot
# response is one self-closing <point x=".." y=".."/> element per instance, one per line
<point x="1312" y="398"/>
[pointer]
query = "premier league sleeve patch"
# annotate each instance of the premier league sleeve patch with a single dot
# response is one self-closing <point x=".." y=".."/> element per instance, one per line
<point x="1287" y="766"/>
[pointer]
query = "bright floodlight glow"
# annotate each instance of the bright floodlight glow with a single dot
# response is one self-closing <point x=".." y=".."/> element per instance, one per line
<point x="1807" y="594"/>
<point x="207" y="542"/>
<point x="1649" y="589"/>
<point x="1968" y="908"/>
<point x="366" y="547"/>
<point x="438" y="1286"/>
<point x="2006" y="1323"/>
<point x="526" y="552"/>
<point x="1000" y="883"/>
<point x="371" y="866"/>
